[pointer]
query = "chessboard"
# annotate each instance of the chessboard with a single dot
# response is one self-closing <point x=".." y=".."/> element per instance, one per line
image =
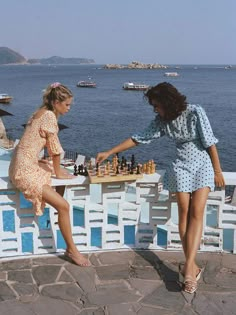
<point x="115" y="170"/>
<point x="112" y="177"/>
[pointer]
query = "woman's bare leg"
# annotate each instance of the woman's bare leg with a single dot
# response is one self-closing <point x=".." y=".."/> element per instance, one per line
<point x="60" y="190"/>
<point x="62" y="206"/>
<point x="183" y="200"/>
<point x="194" y="229"/>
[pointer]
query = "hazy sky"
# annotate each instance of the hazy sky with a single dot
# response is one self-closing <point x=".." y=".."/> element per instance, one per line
<point x="120" y="31"/>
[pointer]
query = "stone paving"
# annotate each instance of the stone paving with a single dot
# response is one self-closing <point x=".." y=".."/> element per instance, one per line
<point x="116" y="283"/>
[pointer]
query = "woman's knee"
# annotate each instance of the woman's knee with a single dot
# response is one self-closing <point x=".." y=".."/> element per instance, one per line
<point x="64" y="206"/>
<point x="196" y="213"/>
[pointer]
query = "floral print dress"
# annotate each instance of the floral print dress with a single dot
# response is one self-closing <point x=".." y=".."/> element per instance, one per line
<point x="192" y="133"/>
<point x="25" y="170"/>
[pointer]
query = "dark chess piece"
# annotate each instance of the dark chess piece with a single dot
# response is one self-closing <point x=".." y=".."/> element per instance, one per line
<point x="117" y="170"/>
<point x="118" y="161"/>
<point x="85" y="171"/>
<point x="132" y="160"/>
<point x="81" y="169"/>
<point x="75" y="170"/>
<point x="123" y="163"/>
<point x="97" y="167"/>
<point x="131" y="169"/>
<point x="128" y="167"/>
<point x="138" y="170"/>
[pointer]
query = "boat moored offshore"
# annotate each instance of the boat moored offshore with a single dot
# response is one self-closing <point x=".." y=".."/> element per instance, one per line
<point x="5" y="98"/>
<point x="135" y="86"/>
<point x="171" y="74"/>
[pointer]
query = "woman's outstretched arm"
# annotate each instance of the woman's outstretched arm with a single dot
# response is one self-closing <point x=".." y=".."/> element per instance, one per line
<point x="125" y="145"/>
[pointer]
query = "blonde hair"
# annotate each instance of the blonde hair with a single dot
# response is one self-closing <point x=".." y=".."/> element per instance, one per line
<point x="55" y="92"/>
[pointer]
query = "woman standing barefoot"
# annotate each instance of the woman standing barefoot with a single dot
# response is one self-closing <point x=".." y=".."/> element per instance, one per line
<point x="192" y="174"/>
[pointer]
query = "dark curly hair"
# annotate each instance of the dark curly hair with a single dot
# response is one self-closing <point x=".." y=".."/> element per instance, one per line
<point x="170" y="99"/>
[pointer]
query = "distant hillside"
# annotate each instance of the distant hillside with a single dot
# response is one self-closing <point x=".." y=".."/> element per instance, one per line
<point x="9" y="56"/>
<point x="55" y="60"/>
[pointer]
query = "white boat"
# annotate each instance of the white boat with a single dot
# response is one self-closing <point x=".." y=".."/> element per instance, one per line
<point x="88" y="84"/>
<point x="171" y="74"/>
<point x="135" y="86"/>
<point x="5" y="98"/>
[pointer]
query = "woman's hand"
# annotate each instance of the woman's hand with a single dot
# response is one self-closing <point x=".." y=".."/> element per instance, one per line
<point x="219" y="179"/>
<point x="102" y="156"/>
<point x="64" y="174"/>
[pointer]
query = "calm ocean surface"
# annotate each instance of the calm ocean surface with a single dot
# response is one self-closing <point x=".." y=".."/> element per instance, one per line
<point x="104" y="116"/>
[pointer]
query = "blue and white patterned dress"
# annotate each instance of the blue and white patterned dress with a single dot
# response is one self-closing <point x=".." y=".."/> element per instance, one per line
<point x="192" y="133"/>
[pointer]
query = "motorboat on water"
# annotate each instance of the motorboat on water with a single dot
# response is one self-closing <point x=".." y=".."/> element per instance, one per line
<point x="171" y="74"/>
<point x="135" y="86"/>
<point x="5" y="98"/>
<point x="87" y="84"/>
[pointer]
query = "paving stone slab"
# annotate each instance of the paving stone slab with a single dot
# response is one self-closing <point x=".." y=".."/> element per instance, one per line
<point x="17" y="264"/>
<point x="111" y="294"/>
<point x="65" y="277"/>
<point x="215" y="304"/>
<point x="69" y="292"/>
<point x="124" y="308"/>
<point x="187" y="310"/>
<point x="147" y="258"/>
<point x="49" y="260"/>
<point x="226" y="278"/>
<point x="122" y="257"/>
<point x="146" y="310"/>
<point x="229" y="261"/>
<point x="6" y="292"/>
<point x="202" y="287"/>
<point x="144" y="287"/>
<point x="168" y="271"/>
<point x="210" y="271"/>
<point x="25" y="288"/>
<point x="113" y="272"/>
<point x="172" y="256"/>
<point x="148" y="273"/>
<point x="84" y="276"/>
<point x="165" y="297"/>
<point x="98" y="311"/>
<point x="23" y="276"/>
<point x="94" y="260"/>
<point x="3" y="275"/>
<point x="45" y="274"/>
<point x="42" y="305"/>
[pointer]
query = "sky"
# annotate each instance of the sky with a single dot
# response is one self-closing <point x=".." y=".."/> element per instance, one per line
<point x="121" y="31"/>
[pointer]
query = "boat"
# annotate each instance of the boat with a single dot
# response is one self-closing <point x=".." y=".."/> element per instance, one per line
<point x="87" y="84"/>
<point x="171" y="74"/>
<point x="135" y="86"/>
<point x="5" y="98"/>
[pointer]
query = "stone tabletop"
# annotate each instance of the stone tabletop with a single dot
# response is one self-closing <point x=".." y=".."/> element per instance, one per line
<point x="116" y="283"/>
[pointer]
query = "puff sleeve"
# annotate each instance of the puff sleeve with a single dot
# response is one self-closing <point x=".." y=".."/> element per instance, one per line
<point x="49" y="131"/>
<point x="153" y="131"/>
<point x="204" y="128"/>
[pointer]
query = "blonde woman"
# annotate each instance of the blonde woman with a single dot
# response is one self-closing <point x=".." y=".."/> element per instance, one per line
<point x="32" y="177"/>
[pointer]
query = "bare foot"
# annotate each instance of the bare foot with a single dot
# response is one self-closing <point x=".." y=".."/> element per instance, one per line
<point x="78" y="258"/>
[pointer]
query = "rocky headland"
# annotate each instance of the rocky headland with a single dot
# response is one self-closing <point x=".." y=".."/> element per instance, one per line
<point x="11" y="57"/>
<point x="136" y="65"/>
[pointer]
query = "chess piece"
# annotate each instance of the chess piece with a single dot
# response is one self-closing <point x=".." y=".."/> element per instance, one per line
<point x="138" y="170"/>
<point x="117" y="170"/>
<point x="85" y="171"/>
<point x="75" y="170"/>
<point x="132" y="160"/>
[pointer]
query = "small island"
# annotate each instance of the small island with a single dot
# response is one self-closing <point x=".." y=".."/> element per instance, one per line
<point x="136" y="65"/>
<point x="11" y="57"/>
